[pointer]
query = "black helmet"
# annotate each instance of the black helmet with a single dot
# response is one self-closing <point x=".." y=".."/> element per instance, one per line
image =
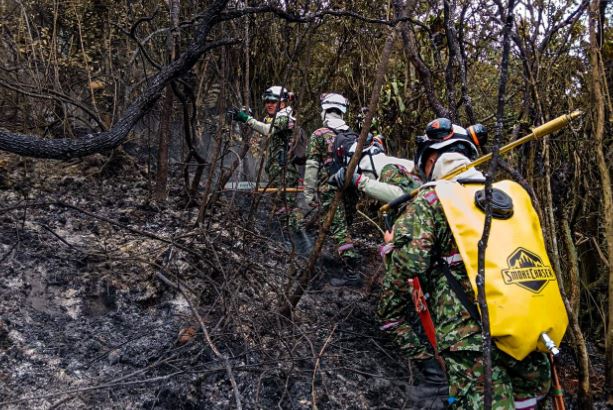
<point x="443" y="136"/>
<point x="440" y="128"/>
<point x="478" y="133"/>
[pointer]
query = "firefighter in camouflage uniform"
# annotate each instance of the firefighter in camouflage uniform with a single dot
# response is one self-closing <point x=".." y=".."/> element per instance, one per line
<point x="317" y="193"/>
<point x="386" y="178"/>
<point x="423" y="246"/>
<point x="278" y="125"/>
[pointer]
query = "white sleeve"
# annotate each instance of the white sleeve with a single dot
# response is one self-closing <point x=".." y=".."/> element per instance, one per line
<point x="379" y="190"/>
<point x="259" y="126"/>
<point x="311" y="176"/>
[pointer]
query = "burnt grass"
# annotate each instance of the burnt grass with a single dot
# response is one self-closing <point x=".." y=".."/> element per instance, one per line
<point x="99" y="289"/>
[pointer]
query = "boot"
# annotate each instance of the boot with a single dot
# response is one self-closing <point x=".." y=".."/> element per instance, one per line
<point x="302" y="242"/>
<point x="430" y="372"/>
<point x="431" y="389"/>
<point x="349" y="278"/>
<point x="428" y="397"/>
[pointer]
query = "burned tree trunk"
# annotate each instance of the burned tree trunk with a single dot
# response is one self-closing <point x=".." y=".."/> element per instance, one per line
<point x="161" y="178"/>
<point x="599" y="91"/>
<point x="424" y="72"/>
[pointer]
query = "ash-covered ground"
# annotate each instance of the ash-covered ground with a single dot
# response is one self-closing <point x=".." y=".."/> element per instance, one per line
<point x="104" y="298"/>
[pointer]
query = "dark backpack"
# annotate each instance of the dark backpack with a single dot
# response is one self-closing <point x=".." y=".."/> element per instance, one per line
<point x="298" y="146"/>
<point x="341" y="148"/>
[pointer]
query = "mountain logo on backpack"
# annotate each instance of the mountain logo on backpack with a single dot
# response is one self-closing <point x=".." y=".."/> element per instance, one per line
<point x="527" y="270"/>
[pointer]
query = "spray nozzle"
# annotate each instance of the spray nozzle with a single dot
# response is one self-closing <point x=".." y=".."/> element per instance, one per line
<point x="549" y="344"/>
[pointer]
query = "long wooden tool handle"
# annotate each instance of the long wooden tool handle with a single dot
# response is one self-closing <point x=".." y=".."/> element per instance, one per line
<point x="280" y="189"/>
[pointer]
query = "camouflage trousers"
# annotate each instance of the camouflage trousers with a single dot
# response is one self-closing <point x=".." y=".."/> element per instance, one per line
<point x="339" y="229"/>
<point x="410" y="338"/>
<point x="515" y="384"/>
<point x="289" y="203"/>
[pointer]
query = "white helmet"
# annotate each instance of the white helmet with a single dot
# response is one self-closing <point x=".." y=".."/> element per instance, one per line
<point x="275" y="93"/>
<point x="459" y="134"/>
<point x="443" y="137"/>
<point x="332" y="100"/>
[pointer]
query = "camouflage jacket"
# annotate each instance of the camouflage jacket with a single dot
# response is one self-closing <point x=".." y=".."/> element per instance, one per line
<point x="419" y="233"/>
<point x="318" y="157"/>
<point x="395" y="174"/>
<point x="281" y="134"/>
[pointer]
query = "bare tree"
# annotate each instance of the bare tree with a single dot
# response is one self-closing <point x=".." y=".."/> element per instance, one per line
<point x="161" y="179"/>
<point x="599" y="90"/>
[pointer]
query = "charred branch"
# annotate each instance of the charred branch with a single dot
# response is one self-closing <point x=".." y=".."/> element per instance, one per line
<point x="424" y="72"/>
<point x="309" y="18"/>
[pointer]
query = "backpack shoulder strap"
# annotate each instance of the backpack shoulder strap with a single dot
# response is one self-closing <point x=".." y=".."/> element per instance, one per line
<point x="455" y="285"/>
<point x="459" y="291"/>
<point x="372" y="164"/>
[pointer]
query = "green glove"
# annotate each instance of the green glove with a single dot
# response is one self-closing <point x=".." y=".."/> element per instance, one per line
<point x="238" y="115"/>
